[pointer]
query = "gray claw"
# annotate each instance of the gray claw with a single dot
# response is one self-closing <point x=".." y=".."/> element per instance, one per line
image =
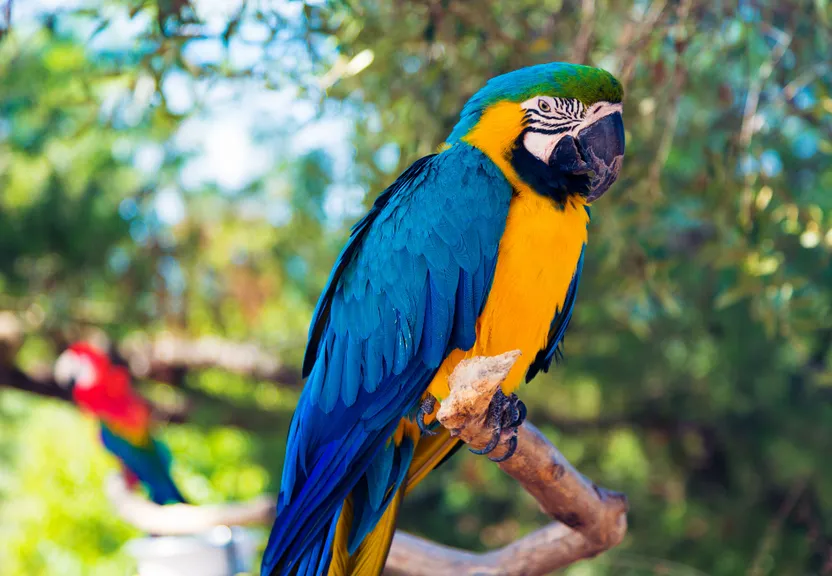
<point x="495" y="439"/>
<point x="505" y="413"/>
<point x="427" y="406"/>
<point x="512" y="448"/>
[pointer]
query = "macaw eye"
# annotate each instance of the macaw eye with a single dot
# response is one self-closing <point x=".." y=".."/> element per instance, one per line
<point x="543" y="105"/>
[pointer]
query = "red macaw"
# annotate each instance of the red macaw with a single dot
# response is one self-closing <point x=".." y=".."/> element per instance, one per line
<point x="103" y="388"/>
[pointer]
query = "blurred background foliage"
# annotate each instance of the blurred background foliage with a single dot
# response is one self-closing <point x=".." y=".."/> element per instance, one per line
<point x="192" y="168"/>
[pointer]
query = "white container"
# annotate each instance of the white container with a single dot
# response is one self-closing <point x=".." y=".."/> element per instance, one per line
<point x="223" y="551"/>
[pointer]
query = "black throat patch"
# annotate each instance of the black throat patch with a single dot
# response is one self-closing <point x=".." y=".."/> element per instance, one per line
<point x="554" y="182"/>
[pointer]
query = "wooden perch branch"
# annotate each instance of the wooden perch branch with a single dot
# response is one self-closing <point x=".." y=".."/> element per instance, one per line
<point x="590" y="520"/>
<point x="180" y="519"/>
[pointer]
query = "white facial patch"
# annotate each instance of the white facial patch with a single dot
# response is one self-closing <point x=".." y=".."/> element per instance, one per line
<point x="74" y="367"/>
<point x="550" y="119"/>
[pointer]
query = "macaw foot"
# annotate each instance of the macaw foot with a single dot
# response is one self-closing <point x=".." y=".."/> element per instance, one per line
<point x="426" y="408"/>
<point x="505" y="414"/>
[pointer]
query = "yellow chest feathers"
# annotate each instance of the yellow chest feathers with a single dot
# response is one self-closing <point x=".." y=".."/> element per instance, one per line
<point x="538" y="254"/>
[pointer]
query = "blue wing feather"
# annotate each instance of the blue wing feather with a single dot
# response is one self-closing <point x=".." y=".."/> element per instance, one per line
<point x="406" y="290"/>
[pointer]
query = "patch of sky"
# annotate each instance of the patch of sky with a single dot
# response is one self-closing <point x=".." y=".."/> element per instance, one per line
<point x="171" y="271"/>
<point x="215" y="14"/>
<point x="748" y="12"/>
<point x="169" y="206"/>
<point x="805" y="145"/>
<point x="639" y="9"/>
<point x="119" y="261"/>
<point x="772" y="118"/>
<point x="411" y="64"/>
<point x="122" y="149"/>
<point x="278" y="212"/>
<point x="203" y="51"/>
<point x="148" y="158"/>
<point x="297" y="268"/>
<point x="770" y="163"/>
<point x="242" y="54"/>
<point x="228" y="139"/>
<point x="128" y="209"/>
<point x="343" y="202"/>
<point x="26" y="16"/>
<point x="177" y="88"/>
<point x="122" y="30"/>
<point x="139" y="232"/>
<point x="372" y="122"/>
<point x="789" y="60"/>
<point x="732" y="32"/>
<point x="226" y="154"/>
<point x="793" y="127"/>
<point x="749" y="165"/>
<point x="804" y="98"/>
<point x="386" y="158"/>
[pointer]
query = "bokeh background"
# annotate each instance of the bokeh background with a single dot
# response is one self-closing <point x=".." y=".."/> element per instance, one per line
<point x="177" y="177"/>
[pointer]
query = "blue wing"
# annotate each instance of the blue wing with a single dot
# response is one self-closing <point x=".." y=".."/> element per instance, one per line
<point x="408" y="288"/>
<point x="560" y="323"/>
<point x="150" y="464"/>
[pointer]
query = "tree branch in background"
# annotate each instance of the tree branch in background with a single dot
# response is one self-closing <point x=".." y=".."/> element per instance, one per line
<point x="158" y="358"/>
<point x="12" y="377"/>
<point x="164" y="358"/>
<point x="591" y="520"/>
<point x="583" y="42"/>
<point x="180" y="519"/>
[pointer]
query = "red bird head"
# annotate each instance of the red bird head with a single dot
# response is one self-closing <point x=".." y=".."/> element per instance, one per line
<point x="97" y="384"/>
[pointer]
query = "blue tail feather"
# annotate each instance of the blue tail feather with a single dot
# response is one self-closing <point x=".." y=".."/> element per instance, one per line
<point x="150" y="464"/>
<point x="339" y="449"/>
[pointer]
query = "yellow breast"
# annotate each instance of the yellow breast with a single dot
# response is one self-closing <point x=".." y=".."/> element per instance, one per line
<point x="538" y="254"/>
<point x="537" y="257"/>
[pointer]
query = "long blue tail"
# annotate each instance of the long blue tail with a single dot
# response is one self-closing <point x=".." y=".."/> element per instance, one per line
<point x="150" y="464"/>
<point x="329" y="457"/>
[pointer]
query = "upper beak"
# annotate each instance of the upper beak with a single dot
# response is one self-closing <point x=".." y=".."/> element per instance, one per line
<point x="601" y="145"/>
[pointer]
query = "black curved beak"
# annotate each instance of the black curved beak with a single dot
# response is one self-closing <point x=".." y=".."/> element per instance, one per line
<point x="597" y="153"/>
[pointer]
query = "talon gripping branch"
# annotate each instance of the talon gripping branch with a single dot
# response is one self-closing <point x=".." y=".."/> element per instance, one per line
<point x="476" y="250"/>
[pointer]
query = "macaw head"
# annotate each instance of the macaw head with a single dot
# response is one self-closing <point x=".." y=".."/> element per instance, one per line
<point x="555" y="128"/>
<point x="94" y="380"/>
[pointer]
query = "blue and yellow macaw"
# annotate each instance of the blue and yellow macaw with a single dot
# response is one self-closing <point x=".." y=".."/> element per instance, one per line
<point x="474" y="251"/>
<point x="104" y="389"/>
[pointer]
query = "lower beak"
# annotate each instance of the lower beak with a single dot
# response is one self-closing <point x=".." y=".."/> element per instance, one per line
<point x="602" y="146"/>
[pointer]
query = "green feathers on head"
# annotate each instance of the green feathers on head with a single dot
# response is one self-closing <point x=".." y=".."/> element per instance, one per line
<point x="557" y="79"/>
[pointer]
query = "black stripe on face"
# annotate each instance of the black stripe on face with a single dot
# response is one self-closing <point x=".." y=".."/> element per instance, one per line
<point x="545" y="125"/>
<point x="532" y="112"/>
<point x="548" y="131"/>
